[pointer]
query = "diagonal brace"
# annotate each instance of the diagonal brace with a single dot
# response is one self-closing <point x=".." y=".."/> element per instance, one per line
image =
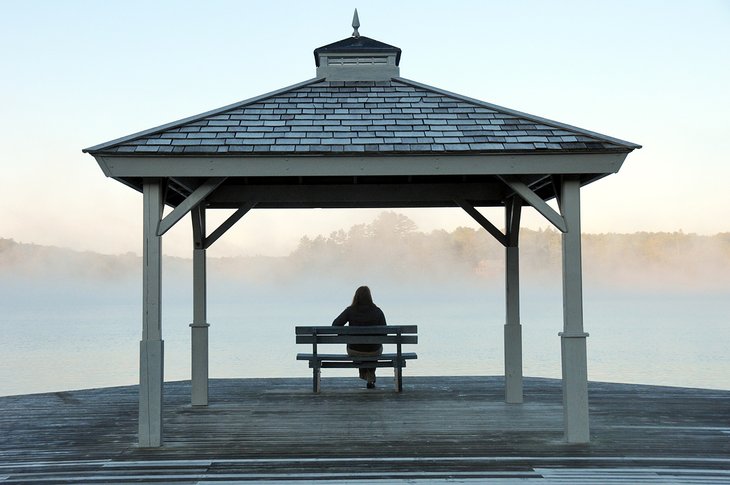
<point x="228" y="223"/>
<point x="483" y="221"/>
<point x="187" y="205"/>
<point x="535" y="201"/>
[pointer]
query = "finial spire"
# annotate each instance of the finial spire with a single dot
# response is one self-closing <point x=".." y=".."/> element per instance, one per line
<point x="355" y="25"/>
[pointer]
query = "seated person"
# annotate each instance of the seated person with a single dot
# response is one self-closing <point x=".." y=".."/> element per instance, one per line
<point x="362" y="312"/>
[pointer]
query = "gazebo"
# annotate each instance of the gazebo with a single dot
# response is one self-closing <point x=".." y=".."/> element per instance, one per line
<point x="358" y="135"/>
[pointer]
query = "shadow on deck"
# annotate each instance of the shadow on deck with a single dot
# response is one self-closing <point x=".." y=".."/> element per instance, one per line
<point x="451" y="424"/>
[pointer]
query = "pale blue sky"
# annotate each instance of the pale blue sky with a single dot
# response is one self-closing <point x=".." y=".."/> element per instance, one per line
<point x="77" y="73"/>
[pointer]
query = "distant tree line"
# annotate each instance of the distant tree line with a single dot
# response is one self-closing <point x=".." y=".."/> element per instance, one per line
<point x="392" y="247"/>
<point x="392" y="243"/>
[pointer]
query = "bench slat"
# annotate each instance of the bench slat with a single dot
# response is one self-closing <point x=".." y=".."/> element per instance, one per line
<point x="364" y="330"/>
<point x="330" y="364"/>
<point x="390" y="357"/>
<point x="357" y="339"/>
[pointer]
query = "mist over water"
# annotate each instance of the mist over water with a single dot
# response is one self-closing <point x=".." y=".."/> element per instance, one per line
<point x="73" y="320"/>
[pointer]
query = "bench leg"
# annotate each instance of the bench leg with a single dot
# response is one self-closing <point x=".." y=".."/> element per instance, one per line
<point x="316" y="374"/>
<point x="398" y="371"/>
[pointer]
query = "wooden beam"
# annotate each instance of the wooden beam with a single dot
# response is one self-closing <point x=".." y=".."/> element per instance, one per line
<point x="483" y="221"/>
<point x="335" y="165"/>
<point x="362" y="194"/>
<point x="187" y="205"/>
<point x="228" y="223"/>
<point x="535" y="201"/>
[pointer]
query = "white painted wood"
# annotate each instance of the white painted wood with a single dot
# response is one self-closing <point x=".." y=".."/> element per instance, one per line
<point x="151" y="347"/>
<point x="513" y="387"/>
<point x="189" y="203"/>
<point x="357" y="67"/>
<point x="199" y="332"/>
<point x="152" y="260"/>
<point x="535" y="201"/>
<point x="572" y="257"/>
<point x="151" y="379"/>
<point x="199" y="287"/>
<point x="483" y="221"/>
<point x="576" y="422"/>
<point x="257" y="166"/>
<point x="228" y="223"/>
<point x="199" y="374"/>
<point x="513" y="326"/>
<point x="199" y="327"/>
<point x="573" y="338"/>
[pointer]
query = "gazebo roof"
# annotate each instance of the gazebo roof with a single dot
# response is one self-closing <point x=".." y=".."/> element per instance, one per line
<point x="397" y="116"/>
<point x="360" y="135"/>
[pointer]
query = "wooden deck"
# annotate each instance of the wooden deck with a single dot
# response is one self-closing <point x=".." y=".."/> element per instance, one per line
<point x="455" y="428"/>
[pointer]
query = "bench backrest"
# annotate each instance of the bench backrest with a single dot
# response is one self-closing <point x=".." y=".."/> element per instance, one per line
<point x="387" y="334"/>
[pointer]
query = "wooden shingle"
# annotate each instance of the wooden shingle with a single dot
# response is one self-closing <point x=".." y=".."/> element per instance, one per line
<point x="335" y="118"/>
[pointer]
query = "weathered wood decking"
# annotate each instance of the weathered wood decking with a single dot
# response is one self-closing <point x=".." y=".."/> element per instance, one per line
<point x="439" y="427"/>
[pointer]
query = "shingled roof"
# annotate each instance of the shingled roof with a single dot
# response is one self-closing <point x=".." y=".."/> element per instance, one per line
<point x="362" y="117"/>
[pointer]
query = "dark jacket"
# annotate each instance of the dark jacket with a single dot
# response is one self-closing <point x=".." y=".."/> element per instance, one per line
<point x="361" y="316"/>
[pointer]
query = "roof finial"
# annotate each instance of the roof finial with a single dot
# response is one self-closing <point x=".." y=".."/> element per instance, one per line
<point x="355" y="25"/>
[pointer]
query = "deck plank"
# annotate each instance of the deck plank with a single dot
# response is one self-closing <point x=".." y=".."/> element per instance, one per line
<point x="438" y="426"/>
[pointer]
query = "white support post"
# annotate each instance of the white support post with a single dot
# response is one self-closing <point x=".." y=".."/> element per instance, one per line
<point x="151" y="374"/>
<point x="199" y="327"/>
<point x="512" y="327"/>
<point x="573" y="338"/>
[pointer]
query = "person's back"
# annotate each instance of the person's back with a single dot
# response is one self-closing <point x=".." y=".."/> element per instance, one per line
<point x="363" y="312"/>
<point x="361" y="315"/>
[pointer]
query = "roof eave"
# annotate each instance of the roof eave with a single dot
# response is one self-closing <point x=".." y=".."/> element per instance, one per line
<point x="171" y="165"/>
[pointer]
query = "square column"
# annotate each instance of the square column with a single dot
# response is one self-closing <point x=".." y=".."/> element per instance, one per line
<point x="151" y="361"/>
<point x="199" y="327"/>
<point x="573" y="338"/>
<point x="199" y="332"/>
<point x="512" y="327"/>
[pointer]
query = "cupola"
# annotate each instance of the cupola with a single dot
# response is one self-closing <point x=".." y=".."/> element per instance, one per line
<point x="357" y="58"/>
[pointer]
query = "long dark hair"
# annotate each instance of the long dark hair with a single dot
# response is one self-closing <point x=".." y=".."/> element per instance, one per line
<point x="362" y="297"/>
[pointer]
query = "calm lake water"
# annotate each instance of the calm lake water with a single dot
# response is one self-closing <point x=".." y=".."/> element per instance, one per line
<point x="87" y="336"/>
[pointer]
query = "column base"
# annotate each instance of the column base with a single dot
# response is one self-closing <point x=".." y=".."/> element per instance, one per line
<point x="199" y="364"/>
<point x="151" y="380"/>
<point x="513" y="364"/>
<point x="575" y="387"/>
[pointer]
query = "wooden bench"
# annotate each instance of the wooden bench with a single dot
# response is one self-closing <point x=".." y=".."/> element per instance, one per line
<point x="398" y="335"/>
